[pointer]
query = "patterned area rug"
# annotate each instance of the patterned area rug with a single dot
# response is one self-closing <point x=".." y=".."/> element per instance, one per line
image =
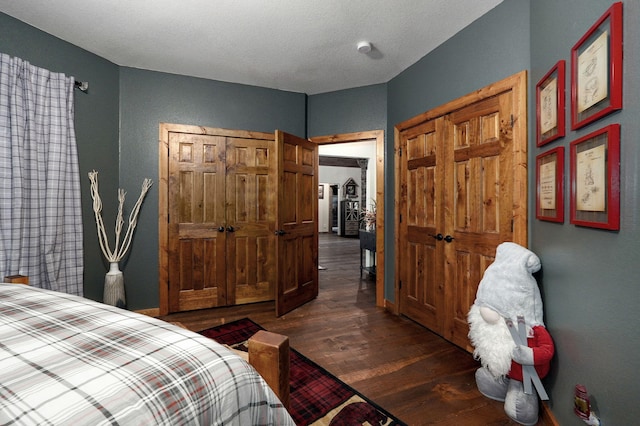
<point x="317" y="397"/>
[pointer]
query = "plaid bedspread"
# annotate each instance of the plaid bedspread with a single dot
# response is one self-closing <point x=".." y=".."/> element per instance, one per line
<point x="68" y="360"/>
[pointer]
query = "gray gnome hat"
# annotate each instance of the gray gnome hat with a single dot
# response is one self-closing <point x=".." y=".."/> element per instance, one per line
<point x="508" y="286"/>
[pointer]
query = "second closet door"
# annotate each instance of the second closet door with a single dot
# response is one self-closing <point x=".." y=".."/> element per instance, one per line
<point x="221" y="221"/>
<point x="462" y="191"/>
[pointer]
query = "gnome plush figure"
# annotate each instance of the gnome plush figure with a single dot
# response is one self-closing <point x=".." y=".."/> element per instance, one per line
<point x="508" y="334"/>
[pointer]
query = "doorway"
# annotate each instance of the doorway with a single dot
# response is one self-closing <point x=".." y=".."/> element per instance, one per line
<point x="378" y="137"/>
<point x="333" y="227"/>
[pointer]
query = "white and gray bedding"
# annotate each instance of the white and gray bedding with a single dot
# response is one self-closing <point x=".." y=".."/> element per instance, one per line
<point x="68" y="360"/>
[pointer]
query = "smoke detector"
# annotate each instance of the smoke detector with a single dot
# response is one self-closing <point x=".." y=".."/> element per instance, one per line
<point x="364" y="47"/>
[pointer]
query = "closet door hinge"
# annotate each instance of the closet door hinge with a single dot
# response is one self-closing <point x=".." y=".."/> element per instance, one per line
<point x="513" y="121"/>
<point x="400" y="285"/>
<point x="400" y="152"/>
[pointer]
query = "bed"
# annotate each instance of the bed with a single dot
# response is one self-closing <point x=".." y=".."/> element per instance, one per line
<point x="69" y="360"/>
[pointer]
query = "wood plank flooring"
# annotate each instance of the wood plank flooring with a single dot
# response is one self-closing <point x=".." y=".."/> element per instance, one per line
<point x="411" y="372"/>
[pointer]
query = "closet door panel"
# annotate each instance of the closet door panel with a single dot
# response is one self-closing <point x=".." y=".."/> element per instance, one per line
<point x="422" y="300"/>
<point x="250" y="192"/>
<point x="490" y="191"/>
<point x="297" y="226"/>
<point x="481" y="198"/>
<point x="422" y="289"/>
<point x="196" y="195"/>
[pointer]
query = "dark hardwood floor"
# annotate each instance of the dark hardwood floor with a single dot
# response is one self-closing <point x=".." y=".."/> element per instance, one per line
<point x="411" y="372"/>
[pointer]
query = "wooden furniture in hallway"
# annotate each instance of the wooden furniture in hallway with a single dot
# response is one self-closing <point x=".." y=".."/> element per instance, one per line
<point x="367" y="245"/>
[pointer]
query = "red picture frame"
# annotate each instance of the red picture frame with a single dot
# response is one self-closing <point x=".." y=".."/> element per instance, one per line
<point x="550" y="185"/>
<point x="550" y="105"/>
<point x="595" y="179"/>
<point x="596" y="70"/>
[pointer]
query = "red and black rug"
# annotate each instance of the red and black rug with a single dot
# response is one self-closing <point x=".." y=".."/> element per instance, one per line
<point x="317" y="397"/>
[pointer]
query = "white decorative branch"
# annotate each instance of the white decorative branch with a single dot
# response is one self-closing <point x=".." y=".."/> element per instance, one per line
<point x="120" y="248"/>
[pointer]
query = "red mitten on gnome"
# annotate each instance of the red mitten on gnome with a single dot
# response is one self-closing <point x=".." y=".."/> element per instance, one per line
<point x="506" y="313"/>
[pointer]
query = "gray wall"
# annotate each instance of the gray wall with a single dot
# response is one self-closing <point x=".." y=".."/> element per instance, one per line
<point x="589" y="277"/>
<point x="352" y="110"/>
<point x="148" y="98"/>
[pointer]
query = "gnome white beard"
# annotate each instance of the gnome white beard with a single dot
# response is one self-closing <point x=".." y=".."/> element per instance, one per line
<point x="492" y="343"/>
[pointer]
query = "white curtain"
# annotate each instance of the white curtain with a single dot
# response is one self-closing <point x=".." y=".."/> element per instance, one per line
<point x="40" y="210"/>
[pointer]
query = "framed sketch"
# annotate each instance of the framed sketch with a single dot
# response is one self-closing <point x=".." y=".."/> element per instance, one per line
<point x="596" y="70"/>
<point x="550" y="105"/>
<point x="550" y="185"/>
<point x="595" y="179"/>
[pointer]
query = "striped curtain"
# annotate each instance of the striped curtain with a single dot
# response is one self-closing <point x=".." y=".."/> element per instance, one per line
<point x="40" y="211"/>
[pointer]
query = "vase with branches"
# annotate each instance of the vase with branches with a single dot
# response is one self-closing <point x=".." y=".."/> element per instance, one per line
<point x="114" y="293"/>
<point x="368" y="218"/>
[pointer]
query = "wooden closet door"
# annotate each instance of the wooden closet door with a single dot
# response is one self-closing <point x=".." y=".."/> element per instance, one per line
<point x="196" y="204"/>
<point x="479" y="199"/>
<point x="217" y="217"/>
<point x="250" y="219"/>
<point x="462" y="190"/>
<point x="422" y="224"/>
<point x="297" y="223"/>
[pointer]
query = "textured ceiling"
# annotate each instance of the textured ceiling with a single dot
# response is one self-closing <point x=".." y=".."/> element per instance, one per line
<point x="294" y="45"/>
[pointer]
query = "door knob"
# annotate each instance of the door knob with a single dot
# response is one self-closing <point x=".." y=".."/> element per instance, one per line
<point x="448" y="238"/>
<point x="438" y="237"/>
<point x="221" y="229"/>
<point x="230" y="229"/>
<point x="280" y="232"/>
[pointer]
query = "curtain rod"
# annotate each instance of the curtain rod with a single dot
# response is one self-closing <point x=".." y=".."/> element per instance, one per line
<point x="83" y="86"/>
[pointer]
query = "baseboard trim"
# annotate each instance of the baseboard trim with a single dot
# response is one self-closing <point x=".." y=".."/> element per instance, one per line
<point x="390" y="306"/>
<point x="151" y="312"/>
<point x="547" y="416"/>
